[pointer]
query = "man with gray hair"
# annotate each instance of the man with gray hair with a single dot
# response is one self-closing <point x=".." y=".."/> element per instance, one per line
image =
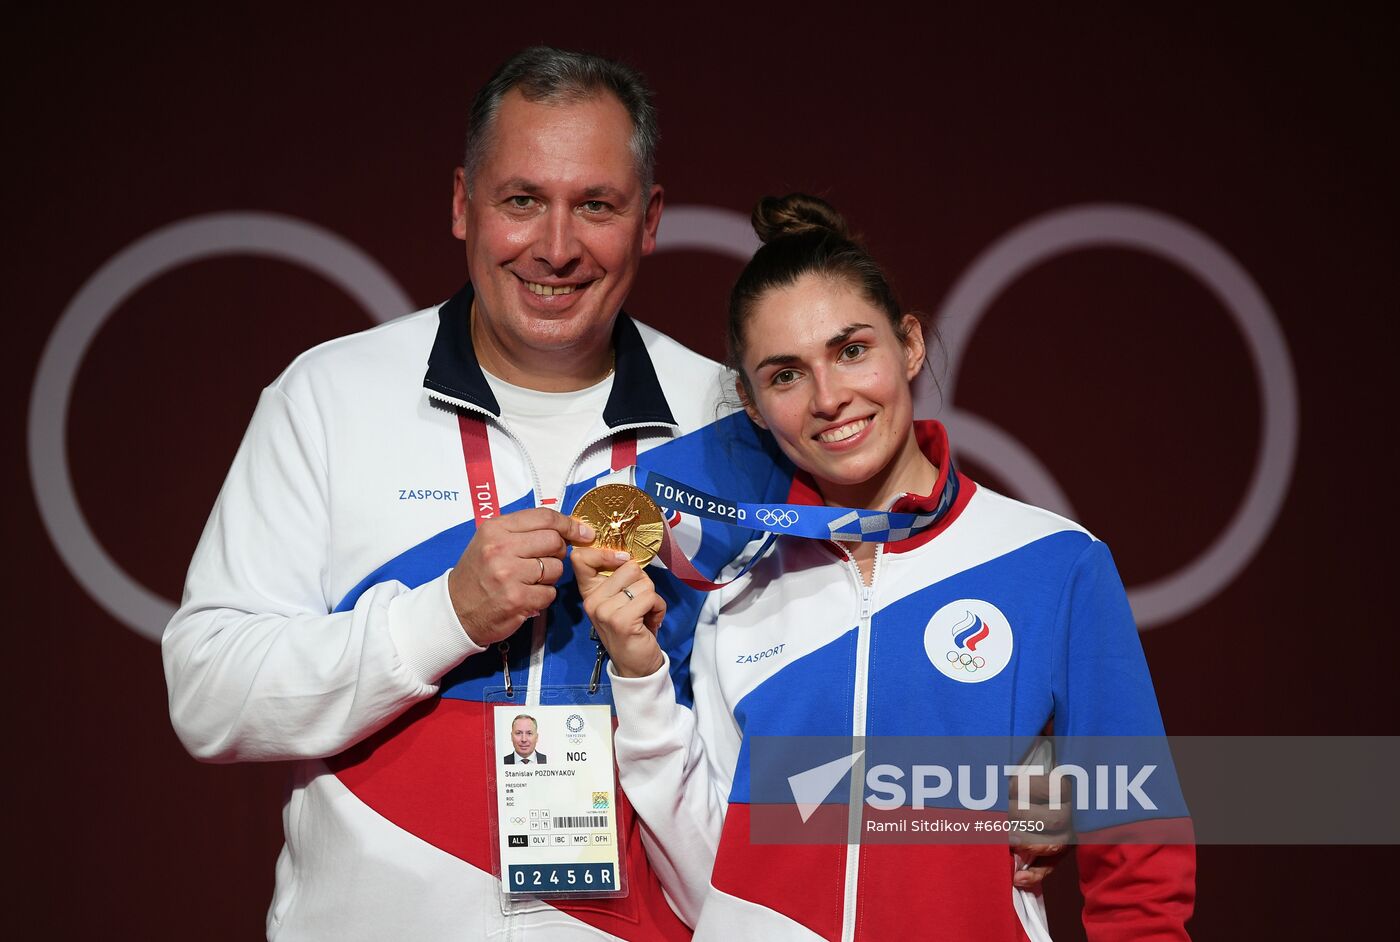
<point x="386" y="554"/>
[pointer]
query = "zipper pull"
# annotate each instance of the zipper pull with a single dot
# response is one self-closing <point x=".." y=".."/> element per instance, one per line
<point x="597" y="670"/>
<point x="597" y="674"/>
<point x="504" y="648"/>
<point x="867" y="594"/>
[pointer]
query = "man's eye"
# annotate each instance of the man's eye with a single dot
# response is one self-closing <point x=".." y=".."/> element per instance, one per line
<point x="521" y="202"/>
<point x="595" y="206"/>
<point x="852" y="350"/>
<point x="783" y="377"/>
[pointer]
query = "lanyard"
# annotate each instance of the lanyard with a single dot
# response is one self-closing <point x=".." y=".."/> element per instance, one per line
<point x="481" y="471"/>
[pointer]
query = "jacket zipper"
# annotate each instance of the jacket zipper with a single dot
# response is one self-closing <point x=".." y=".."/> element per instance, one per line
<point x="856" y="798"/>
<point x="537" y="627"/>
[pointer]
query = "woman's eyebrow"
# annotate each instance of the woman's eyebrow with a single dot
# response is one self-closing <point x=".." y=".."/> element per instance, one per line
<point x="777" y="359"/>
<point x="845" y="334"/>
<point x="782" y="359"/>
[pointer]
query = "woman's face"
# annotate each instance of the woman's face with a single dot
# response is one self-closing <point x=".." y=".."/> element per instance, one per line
<point x="830" y="379"/>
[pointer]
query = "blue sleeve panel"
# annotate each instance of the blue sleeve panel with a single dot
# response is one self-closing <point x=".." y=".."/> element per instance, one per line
<point x="1102" y="686"/>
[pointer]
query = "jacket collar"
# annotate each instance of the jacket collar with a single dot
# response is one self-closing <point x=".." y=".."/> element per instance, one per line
<point x="950" y="495"/>
<point x="455" y="375"/>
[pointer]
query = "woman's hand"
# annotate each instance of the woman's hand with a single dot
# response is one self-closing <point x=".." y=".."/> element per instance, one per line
<point x="624" y="608"/>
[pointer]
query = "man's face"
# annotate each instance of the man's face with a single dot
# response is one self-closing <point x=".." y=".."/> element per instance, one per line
<point x="556" y="225"/>
<point x="524" y="735"/>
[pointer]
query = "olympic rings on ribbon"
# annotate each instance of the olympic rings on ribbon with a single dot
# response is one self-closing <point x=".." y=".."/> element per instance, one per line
<point x="776" y="518"/>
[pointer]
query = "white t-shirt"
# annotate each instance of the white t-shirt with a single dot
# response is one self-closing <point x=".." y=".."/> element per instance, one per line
<point x="551" y="425"/>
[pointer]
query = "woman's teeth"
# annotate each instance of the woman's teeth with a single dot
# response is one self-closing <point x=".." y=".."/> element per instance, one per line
<point x="844" y="432"/>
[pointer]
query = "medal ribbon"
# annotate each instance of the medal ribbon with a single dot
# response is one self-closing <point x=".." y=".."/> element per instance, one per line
<point x="812" y="521"/>
<point x="680" y="566"/>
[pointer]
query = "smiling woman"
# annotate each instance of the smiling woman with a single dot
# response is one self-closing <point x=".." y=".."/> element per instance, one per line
<point x="987" y="617"/>
<point x="825" y="358"/>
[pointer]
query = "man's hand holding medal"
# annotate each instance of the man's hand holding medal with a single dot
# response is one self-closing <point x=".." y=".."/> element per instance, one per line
<point x="509" y="569"/>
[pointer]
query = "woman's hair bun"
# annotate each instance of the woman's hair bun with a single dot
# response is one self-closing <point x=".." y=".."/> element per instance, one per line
<point x="796" y="214"/>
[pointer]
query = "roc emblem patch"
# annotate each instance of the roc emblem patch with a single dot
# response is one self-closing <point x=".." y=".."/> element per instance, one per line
<point x="969" y="641"/>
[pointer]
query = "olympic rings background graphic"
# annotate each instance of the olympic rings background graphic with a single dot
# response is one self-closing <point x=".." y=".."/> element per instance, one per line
<point x="724" y="232"/>
<point x="190" y="240"/>
<point x="1146" y="230"/>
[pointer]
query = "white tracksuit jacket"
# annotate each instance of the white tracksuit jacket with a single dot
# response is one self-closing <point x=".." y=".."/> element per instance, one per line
<point x="316" y="626"/>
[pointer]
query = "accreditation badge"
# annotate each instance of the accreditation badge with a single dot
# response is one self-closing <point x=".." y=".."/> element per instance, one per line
<point x="555" y="800"/>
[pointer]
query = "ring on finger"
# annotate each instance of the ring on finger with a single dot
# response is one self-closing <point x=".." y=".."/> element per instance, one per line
<point x="540" y="577"/>
<point x="630" y="596"/>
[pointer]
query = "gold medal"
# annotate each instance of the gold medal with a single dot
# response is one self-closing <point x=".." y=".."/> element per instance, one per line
<point x="624" y="518"/>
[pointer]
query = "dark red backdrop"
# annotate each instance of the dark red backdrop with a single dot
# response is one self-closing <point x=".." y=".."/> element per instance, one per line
<point x="937" y="133"/>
